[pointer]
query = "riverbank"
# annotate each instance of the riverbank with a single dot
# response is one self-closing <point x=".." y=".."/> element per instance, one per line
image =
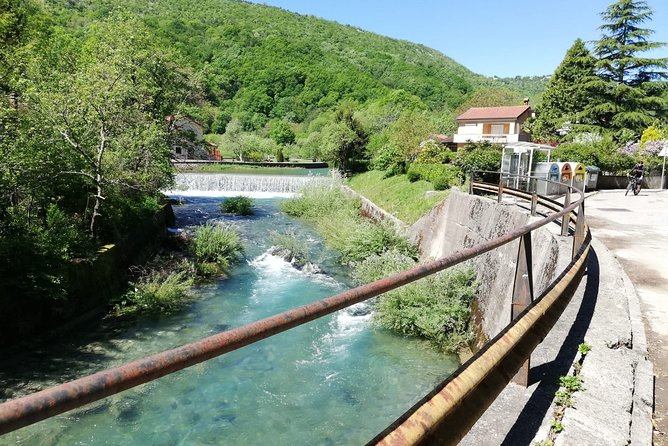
<point x="91" y="284"/>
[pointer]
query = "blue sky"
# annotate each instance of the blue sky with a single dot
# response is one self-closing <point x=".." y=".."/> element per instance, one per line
<point x="493" y="38"/>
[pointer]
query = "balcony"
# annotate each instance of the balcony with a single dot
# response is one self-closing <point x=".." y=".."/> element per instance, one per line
<point x="499" y="138"/>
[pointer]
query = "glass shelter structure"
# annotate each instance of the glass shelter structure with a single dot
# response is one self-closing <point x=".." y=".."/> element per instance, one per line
<point x="520" y="159"/>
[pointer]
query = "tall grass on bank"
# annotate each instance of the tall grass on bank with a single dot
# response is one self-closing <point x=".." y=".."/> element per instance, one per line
<point x="164" y="285"/>
<point x="337" y="217"/>
<point x="156" y="291"/>
<point x="215" y="246"/>
<point x="405" y="200"/>
<point x="437" y="308"/>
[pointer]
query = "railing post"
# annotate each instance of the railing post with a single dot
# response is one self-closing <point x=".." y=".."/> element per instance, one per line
<point x="566" y="218"/>
<point x="471" y="184"/>
<point x="534" y="203"/>
<point x="500" y="196"/>
<point x="523" y="295"/>
<point x="579" y="236"/>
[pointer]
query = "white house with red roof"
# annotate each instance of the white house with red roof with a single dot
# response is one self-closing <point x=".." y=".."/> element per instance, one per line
<point x="494" y="124"/>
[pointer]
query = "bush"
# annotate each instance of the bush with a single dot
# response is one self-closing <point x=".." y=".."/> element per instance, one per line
<point x="216" y="243"/>
<point x="369" y="238"/>
<point x="441" y="183"/>
<point x="413" y="175"/>
<point x="604" y="154"/>
<point x="434" y="153"/>
<point x="238" y="205"/>
<point x="441" y="176"/>
<point x="437" y="307"/>
<point x="483" y="156"/>
<point x="397" y="168"/>
<point x="156" y="291"/>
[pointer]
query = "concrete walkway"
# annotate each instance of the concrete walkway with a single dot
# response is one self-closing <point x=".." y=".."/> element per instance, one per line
<point x="635" y="229"/>
<point x="620" y="299"/>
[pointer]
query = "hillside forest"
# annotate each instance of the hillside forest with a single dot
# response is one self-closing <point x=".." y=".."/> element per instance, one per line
<point x="86" y="86"/>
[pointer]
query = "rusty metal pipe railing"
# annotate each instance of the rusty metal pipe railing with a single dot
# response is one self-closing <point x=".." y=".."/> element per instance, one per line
<point x="447" y="414"/>
<point x="32" y="408"/>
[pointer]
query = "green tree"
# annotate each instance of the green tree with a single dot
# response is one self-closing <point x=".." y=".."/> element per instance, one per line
<point x="567" y="94"/>
<point x="282" y="133"/>
<point x="630" y="99"/>
<point x="20" y="21"/>
<point x="482" y="156"/>
<point x="105" y="109"/>
<point x="344" y="140"/>
<point x="233" y="139"/>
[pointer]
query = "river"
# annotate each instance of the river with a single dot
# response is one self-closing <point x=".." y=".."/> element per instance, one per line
<point x="338" y="380"/>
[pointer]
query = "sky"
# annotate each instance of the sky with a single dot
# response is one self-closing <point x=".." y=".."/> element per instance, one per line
<point x="489" y="37"/>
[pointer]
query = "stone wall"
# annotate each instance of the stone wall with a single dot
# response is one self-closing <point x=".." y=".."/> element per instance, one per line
<point x="463" y="220"/>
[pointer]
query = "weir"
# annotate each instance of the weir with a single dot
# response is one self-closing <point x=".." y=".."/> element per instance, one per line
<point x="238" y="183"/>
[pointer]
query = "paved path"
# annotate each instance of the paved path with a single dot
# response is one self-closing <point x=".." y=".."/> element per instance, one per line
<point x="635" y="229"/>
<point x="623" y="297"/>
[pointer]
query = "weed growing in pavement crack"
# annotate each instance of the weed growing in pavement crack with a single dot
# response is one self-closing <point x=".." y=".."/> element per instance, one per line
<point x="563" y="398"/>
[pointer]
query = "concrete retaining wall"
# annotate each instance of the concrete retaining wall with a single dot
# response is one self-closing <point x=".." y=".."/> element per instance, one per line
<point x="621" y="181"/>
<point x="463" y="220"/>
<point x="370" y="210"/>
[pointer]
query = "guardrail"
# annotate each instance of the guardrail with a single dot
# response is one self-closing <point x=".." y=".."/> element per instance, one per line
<point x="444" y="415"/>
<point x="449" y="411"/>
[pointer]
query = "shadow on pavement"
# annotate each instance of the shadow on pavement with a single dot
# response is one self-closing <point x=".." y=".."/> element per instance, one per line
<point x="527" y="424"/>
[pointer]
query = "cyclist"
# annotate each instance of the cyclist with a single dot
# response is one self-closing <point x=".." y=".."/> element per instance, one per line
<point x="635" y="178"/>
<point x="638" y="171"/>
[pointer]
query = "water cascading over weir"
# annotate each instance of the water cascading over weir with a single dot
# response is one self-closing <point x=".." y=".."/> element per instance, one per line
<point x="195" y="183"/>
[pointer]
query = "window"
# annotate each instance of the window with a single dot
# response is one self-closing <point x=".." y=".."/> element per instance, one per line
<point x="497" y="129"/>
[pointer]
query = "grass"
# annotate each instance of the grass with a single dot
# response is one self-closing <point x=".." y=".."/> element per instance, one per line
<point x="336" y="216"/>
<point x="563" y="398"/>
<point x="436" y="308"/>
<point x="218" y="244"/>
<point x="239" y="205"/>
<point x="156" y="292"/>
<point x="397" y="195"/>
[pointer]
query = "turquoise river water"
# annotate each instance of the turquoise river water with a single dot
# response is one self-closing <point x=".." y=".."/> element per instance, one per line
<point x="334" y="381"/>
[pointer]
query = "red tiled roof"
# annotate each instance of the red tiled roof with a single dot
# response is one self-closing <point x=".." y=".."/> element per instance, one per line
<point x="493" y="112"/>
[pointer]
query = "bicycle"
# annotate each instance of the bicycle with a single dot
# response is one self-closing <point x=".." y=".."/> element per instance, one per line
<point x="635" y="184"/>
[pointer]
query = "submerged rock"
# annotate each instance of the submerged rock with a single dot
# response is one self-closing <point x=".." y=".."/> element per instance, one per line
<point x="297" y="260"/>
